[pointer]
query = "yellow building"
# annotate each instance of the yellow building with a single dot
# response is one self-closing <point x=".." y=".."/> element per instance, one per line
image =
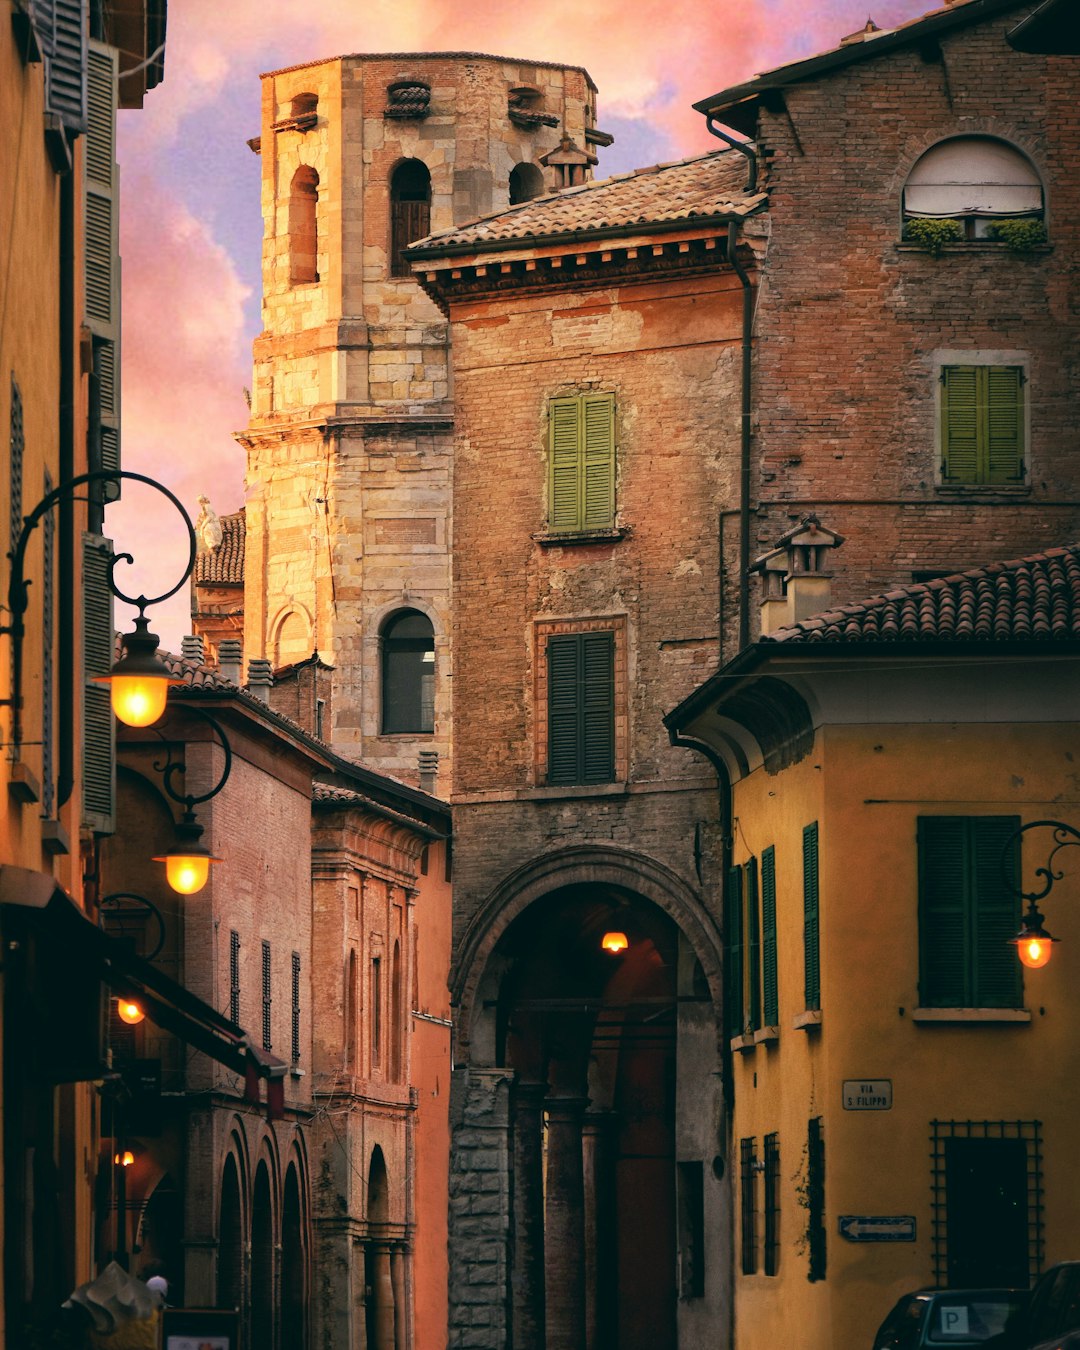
<point x="64" y="68"/>
<point x="904" y="1093"/>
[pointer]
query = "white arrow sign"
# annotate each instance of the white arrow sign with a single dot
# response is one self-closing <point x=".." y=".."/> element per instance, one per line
<point x="878" y="1228"/>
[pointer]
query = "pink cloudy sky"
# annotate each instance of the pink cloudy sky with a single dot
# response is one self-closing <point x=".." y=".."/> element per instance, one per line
<point x="191" y="229"/>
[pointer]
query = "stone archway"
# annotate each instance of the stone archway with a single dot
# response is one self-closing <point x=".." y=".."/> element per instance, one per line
<point x="585" y="1066"/>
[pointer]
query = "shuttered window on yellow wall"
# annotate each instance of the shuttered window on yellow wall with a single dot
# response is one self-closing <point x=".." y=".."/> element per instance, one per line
<point x="582" y="462"/>
<point x="982" y="424"/>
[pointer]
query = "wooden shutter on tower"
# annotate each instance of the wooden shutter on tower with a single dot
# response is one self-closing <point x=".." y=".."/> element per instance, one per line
<point x="581" y="458"/>
<point x="581" y="708"/>
<point x="982" y="432"/>
<point x="770" y="1002"/>
<point x="1004" y="387"/>
<point x="811" y="918"/>
<point x="564" y="416"/>
<point x="959" y="425"/>
<point x="99" y="737"/>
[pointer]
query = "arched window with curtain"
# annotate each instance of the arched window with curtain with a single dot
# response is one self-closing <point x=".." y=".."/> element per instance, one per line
<point x="973" y="181"/>
<point x="408" y="673"/>
<point x="303" y="226"/>
<point x="410" y="211"/>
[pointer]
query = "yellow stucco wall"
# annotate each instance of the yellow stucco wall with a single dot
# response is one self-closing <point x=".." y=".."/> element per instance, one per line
<point x="866" y="786"/>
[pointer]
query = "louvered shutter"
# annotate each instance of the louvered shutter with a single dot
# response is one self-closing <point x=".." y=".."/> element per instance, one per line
<point x="598" y="461"/>
<point x="753" y="949"/>
<point x="811" y="918"/>
<point x="944" y="909"/>
<point x="770" y="1003"/>
<point x="733" y="951"/>
<point x="48" y="667"/>
<point x="598" y="707"/>
<point x="67" y="64"/>
<point x="998" y="975"/>
<point x="1004" y="398"/>
<point x="563" y="656"/>
<point x="960" y="424"/>
<point x="564" y="418"/>
<point x="102" y="250"/>
<point x="99" y="743"/>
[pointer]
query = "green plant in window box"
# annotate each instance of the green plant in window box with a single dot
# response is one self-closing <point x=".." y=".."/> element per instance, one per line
<point x="933" y="235"/>
<point x="1020" y="235"/>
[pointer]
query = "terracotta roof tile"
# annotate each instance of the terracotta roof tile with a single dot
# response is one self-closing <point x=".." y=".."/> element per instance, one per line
<point x="1029" y="598"/>
<point x="703" y="187"/>
<point x="224" y="565"/>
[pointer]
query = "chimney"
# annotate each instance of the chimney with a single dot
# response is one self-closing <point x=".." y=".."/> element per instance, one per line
<point x="795" y="576"/>
<point x="191" y="648"/>
<point x="260" y="678"/>
<point x="230" y="659"/>
<point x="429" y="769"/>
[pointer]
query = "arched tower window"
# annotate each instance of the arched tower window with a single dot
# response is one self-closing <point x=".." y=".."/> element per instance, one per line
<point x="526" y="182"/>
<point x="408" y="673"/>
<point x="974" y="180"/>
<point x="303" y="228"/>
<point x="304" y="105"/>
<point x="410" y="211"/>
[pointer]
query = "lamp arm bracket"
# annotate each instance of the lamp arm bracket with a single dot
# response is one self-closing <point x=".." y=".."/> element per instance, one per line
<point x="171" y="769"/>
<point x="1063" y="836"/>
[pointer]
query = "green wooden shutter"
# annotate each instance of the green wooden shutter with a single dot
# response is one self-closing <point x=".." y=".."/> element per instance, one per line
<point x="99" y="742"/>
<point x="998" y="975"/>
<point x="565" y="463"/>
<point x="752" y="1020"/>
<point x="733" y="951"/>
<point x="811" y="918"/>
<point x="1004" y="399"/>
<point x="770" y="1002"/>
<point x="944" y="909"/>
<point x="598" y="461"/>
<point x="959" y="424"/>
<point x="581" y="708"/>
<point x="598" y="707"/>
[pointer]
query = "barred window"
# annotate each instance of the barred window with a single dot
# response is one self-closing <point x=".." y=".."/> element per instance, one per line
<point x="296" y="1007"/>
<point x="266" y="999"/>
<point x="748" y="1203"/>
<point x="234" y="976"/>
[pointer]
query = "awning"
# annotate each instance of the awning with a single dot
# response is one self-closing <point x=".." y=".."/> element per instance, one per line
<point x="65" y="957"/>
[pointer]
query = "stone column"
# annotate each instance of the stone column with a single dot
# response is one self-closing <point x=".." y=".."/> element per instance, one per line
<point x="527" y="1275"/>
<point x="397" y="1280"/>
<point x="595" y="1132"/>
<point x="564" y="1228"/>
<point x="382" y="1295"/>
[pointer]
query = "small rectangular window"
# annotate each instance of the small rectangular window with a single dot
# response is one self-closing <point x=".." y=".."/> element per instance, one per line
<point x="748" y="1204"/>
<point x="266" y="999"/>
<point x="376" y="1011"/>
<point x="982" y="424"/>
<point x="581" y="707"/>
<point x="296" y="1007"/>
<point x="771" y="1178"/>
<point x="811" y="919"/>
<point x="234" y="976"/>
<point x="968" y="913"/>
<point x="581" y="472"/>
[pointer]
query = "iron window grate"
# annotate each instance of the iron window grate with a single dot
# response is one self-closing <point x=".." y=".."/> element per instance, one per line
<point x="296" y="1007"/>
<point x="748" y="1204"/>
<point x="266" y="999"/>
<point x="772" y="1204"/>
<point x="815" y="1195"/>
<point x="234" y="976"/>
<point x="1030" y="1133"/>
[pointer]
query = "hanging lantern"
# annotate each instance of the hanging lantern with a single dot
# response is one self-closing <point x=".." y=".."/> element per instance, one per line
<point x="614" y="943"/>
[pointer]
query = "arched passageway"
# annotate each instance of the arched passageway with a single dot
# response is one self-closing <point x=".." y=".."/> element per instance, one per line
<point x="230" y="1281"/>
<point x="262" y="1261"/>
<point x="293" y="1265"/>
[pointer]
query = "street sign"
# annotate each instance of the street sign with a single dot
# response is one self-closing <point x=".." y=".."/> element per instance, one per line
<point x="878" y="1227"/>
<point x="867" y="1094"/>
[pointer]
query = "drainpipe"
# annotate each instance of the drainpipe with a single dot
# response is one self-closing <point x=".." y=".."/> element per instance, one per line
<point x="743" y="147"/>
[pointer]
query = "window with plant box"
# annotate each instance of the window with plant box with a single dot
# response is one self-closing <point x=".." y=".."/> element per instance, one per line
<point x="983" y="424"/>
<point x="581" y="463"/>
<point x="969" y="187"/>
<point x="968" y="913"/>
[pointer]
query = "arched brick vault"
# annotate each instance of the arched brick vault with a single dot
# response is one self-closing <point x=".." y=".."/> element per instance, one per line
<point x="586" y="864"/>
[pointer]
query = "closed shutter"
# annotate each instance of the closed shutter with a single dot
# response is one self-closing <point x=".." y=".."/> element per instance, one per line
<point x="1004" y="423"/>
<point x="410" y="221"/>
<point x="564" y="416"/>
<point x="982" y="424"/>
<point x="67" y="64"/>
<point x="48" y="670"/>
<point x="770" y="1002"/>
<point x="733" y="951"/>
<point x="581" y="708"/>
<point x="967" y="913"/>
<point x="753" y="949"/>
<point x="811" y="918"/>
<point x="103" y="257"/>
<point x="598" y="461"/>
<point x="582" y="462"/>
<point x="99" y="741"/>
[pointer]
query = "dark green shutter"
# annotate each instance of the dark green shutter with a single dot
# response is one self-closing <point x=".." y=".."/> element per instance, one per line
<point x="581" y="708"/>
<point x="967" y="914"/>
<point x="752" y="1019"/>
<point x="982" y="432"/>
<point x="581" y="454"/>
<point x="811" y="918"/>
<point x="770" y="1002"/>
<point x="733" y="951"/>
<point x="99" y="743"/>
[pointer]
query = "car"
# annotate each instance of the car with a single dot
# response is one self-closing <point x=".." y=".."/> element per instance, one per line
<point x="1050" y="1320"/>
<point x="956" y="1317"/>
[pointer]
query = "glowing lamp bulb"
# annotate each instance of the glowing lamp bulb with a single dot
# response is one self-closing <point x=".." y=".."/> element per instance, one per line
<point x="138" y="700"/>
<point x="124" y="1159"/>
<point x="187" y="873"/>
<point x="129" y="1012"/>
<point x="1034" y="952"/>
<point x="614" y="943"/>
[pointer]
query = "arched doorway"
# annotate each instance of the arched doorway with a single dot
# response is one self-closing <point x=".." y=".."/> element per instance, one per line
<point x="262" y="1260"/>
<point x="161" y="1237"/>
<point x="380" y="1304"/>
<point x="293" y="1264"/>
<point x="230" y="1271"/>
<point x="605" y="1066"/>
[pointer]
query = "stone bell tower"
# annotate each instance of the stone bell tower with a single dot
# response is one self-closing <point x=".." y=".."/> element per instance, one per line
<point x="348" y="516"/>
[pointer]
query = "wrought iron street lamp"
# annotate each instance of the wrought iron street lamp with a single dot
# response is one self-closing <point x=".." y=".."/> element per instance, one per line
<point x="187" y="863"/>
<point x="1034" y="944"/>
